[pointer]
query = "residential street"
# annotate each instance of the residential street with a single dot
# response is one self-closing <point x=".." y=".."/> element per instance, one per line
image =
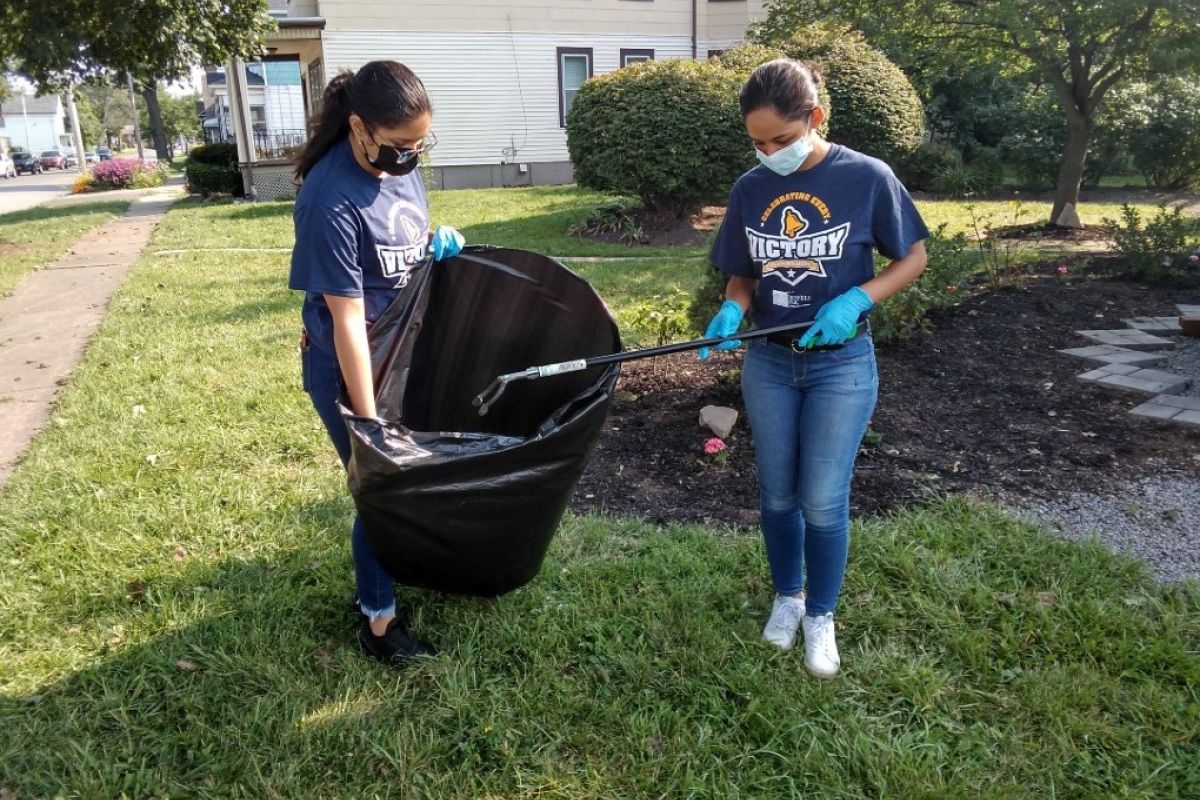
<point x="26" y="191"/>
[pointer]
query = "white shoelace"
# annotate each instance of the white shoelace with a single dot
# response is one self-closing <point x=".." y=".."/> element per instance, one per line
<point x="821" y="637"/>
<point x="787" y="614"/>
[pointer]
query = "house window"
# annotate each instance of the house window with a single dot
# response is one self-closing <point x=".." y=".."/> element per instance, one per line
<point x="316" y="85"/>
<point x="574" y="67"/>
<point x="634" y="56"/>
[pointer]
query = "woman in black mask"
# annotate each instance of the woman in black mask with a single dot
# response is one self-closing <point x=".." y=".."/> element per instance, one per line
<point x="362" y="223"/>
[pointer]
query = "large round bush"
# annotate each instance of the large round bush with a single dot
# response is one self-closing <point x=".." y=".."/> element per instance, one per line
<point x="875" y="108"/>
<point x="668" y="132"/>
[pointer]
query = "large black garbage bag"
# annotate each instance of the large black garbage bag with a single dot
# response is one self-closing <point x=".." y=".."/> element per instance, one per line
<point x="455" y="501"/>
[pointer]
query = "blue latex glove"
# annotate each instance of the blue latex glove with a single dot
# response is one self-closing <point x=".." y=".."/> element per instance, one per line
<point x="446" y="243"/>
<point x="837" y="320"/>
<point x="726" y="322"/>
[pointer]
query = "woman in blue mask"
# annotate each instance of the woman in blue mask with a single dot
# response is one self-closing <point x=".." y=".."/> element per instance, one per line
<point x="362" y="223"/>
<point x="797" y="244"/>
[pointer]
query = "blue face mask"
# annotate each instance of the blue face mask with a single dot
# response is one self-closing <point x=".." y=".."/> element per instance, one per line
<point x="787" y="160"/>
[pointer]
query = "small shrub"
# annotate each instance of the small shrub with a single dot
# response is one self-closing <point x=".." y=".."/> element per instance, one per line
<point x="906" y="314"/>
<point x="82" y="183"/>
<point x="1158" y="249"/>
<point x="706" y="298"/>
<point x="616" y="219"/>
<point x="150" y="177"/>
<point x="661" y="318"/>
<point x="999" y="257"/>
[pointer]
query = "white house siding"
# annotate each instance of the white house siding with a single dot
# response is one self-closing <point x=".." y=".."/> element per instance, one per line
<point x="473" y="81"/>
<point x="723" y="24"/>
<point x="45" y="133"/>
<point x="648" y="17"/>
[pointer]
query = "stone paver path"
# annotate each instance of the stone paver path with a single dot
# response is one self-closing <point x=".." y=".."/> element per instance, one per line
<point x="1171" y="407"/>
<point x="1128" y="376"/>
<point x="1129" y="339"/>
<point x="45" y="324"/>
<point x="1125" y="356"/>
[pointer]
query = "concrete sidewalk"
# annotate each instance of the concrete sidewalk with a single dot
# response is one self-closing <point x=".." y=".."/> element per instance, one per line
<point x="46" y="323"/>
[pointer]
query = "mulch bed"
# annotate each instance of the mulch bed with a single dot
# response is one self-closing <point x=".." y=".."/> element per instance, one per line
<point x="1047" y="232"/>
<point x="984" y="404"/>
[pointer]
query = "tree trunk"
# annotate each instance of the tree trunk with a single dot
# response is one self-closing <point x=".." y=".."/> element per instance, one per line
<point x="157" y="131"/>
<point x="1070" y="171"/>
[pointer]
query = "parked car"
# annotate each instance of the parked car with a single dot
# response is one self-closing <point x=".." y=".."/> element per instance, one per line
<point x="27" y="162"/>
<point x="90" y="157"/>
<point x="52" y="159"/>
<point x="69" y="159"/>
<point x="7" y="168"/>
<point x="104" y="154"/>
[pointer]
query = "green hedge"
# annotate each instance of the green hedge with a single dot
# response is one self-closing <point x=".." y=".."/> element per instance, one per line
<point x="207" y="179"/>
<point x="217" y="155"/>
<point x="668" y="132"/>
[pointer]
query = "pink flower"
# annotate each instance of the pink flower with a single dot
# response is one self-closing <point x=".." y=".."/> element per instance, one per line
<point x="713" y="446"/>
<point x="1062" y="270"/>
<point x="1194" y="257"/>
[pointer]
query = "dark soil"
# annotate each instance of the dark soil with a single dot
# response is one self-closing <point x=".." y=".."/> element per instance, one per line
<point x="1047" y="232"/>
<point x="984" y="405"/>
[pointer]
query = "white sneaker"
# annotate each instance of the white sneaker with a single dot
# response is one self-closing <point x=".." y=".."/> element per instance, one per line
<point x="820" y="646"/>
<point x="786" y="613"/>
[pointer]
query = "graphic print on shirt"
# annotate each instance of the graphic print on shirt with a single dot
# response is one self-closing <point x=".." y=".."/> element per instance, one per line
<point x="406" y="225"/>
<point x="792" y="244"/>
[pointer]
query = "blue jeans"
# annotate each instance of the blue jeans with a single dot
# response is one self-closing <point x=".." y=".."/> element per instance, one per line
<point x="374" y="588"/>
<point x="808" y="413"/>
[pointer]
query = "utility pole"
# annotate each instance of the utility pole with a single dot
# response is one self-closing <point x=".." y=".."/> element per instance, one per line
<point x="25" y="116"/>
<point x="76" y="133"/>
<point x="137" y="129"/>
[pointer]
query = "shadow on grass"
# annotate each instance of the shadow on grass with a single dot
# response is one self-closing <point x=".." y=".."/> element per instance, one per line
<point x="42" y="213"/>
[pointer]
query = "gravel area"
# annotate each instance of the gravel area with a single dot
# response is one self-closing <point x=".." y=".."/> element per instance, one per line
<point x="1157" y="519"/>
<point x="1185" y="360"/>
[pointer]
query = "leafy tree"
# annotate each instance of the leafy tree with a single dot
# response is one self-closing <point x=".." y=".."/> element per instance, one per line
<point x="112" y="107"/>
<point x="1081" y="49"/>
<point x="176" y="115"/>
<point x="67" y="41"/>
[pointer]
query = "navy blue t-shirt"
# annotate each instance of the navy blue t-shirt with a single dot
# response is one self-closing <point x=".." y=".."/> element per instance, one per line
<point x="356" y="236"/>
<point x="808" y="237"/>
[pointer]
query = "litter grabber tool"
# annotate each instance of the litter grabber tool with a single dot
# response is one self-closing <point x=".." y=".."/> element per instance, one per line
<point x="495" y="389"/>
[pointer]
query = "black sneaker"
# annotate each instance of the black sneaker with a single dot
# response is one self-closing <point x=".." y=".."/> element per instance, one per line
<point x="356" y="609"/>
<point x="396" y="647"/>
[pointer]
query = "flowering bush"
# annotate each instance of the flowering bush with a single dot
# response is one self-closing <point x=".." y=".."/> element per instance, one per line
<point x="125" y="173"/>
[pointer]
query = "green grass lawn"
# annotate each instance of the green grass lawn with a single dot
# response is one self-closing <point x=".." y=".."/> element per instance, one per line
<point x="173" y="618"/>
<point x="38" y="236"/>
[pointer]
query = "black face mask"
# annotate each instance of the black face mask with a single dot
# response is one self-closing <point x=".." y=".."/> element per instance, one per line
<point x="392" y="160"/>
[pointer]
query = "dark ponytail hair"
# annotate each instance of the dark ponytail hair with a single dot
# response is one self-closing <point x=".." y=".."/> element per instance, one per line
<point x="787" y="86"/>
<point x="383" y="93"/>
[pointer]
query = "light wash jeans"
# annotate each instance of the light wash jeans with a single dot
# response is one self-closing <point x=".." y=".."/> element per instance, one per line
<point x="808" y="413"/>
<point x="375" y="590"/>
